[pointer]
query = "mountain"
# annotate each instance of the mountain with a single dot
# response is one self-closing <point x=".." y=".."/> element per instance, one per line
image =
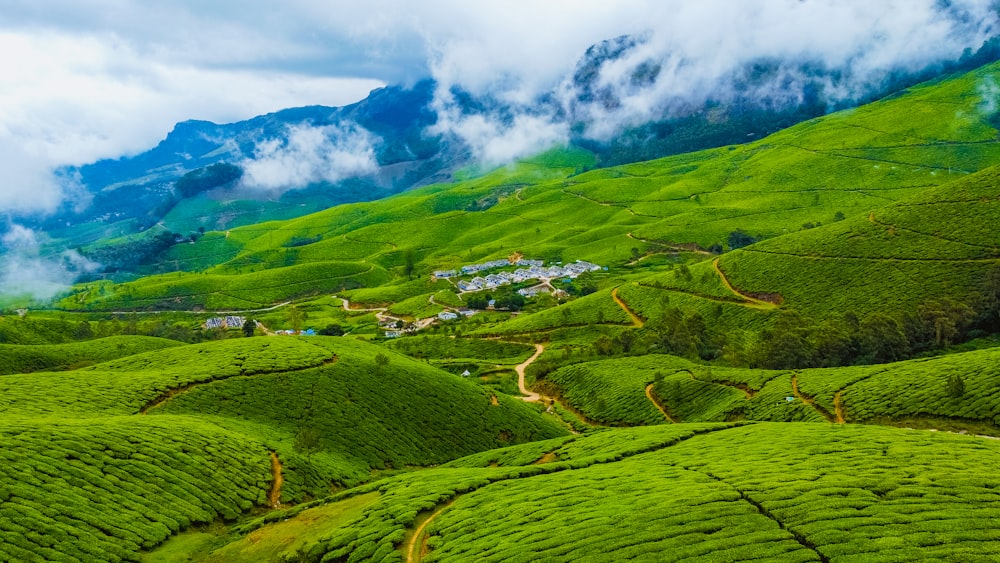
<point x="207" y="176"/>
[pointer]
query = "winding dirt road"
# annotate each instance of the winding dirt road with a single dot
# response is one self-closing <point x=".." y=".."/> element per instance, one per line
<point x="519" y="368"/>
<point x="649" y="395"/>
<point x="414" y="548"/>
<point x="636" y="320"/>
<point x="274" y="495"/>
<point x="759" y="303"/>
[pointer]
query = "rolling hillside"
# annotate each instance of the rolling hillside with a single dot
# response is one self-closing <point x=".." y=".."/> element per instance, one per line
<point x="108" y="460"/>
<point x="789" y="492"/>
<point x="659" y="389"/>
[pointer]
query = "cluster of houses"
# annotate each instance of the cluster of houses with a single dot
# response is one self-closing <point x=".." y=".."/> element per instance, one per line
<point x="225" y="322"/>
<point x="452" y="315"/>
<point x="491" y="265"/>
<point x="535" y="271"/>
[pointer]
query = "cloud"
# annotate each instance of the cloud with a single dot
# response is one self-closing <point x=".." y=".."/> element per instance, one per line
<point x="101" y="97"/>
<point x="24" y="270"/>
<point x="697" y="51"/>
<point x="308" y="155"/>
<point x="89" y="79"/>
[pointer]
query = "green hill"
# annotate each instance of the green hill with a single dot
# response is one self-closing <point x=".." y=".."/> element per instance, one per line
<point x="108" y="460"/>
<point x="753" y="302"/>
<point x="636" y="390"/>
<point x="16" y="358"/>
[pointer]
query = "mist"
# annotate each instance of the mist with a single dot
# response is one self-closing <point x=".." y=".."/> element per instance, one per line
<point x="308" y="155"/>
<point x="24" y="271"/>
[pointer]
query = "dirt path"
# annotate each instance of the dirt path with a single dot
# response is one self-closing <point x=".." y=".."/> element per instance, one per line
<point x="649" y="395"/>
<point x="838" y="404"/>
<point x="636" y="320"/>
<point x="274" y="495"/>
<point x="810" y="401"/>
<point x="413" y="549"/>
<point x="519" y="368"/>
<point x="691" y="247"/>
<point x="347" y="306"/>
<point x="759" y="303"/>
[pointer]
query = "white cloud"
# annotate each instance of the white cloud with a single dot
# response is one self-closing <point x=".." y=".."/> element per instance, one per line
<point x="86" y="79"/>
<point x="25" y="271"/>
<point x="99" y="97"/>
<point x="308" y="155"/>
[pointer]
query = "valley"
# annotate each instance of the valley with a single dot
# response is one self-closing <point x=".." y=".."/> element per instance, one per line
<point x="786" y="349"/>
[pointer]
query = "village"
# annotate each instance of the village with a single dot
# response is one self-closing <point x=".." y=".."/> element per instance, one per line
<point x="529" y="270"/>
<point x="394" y="327"/>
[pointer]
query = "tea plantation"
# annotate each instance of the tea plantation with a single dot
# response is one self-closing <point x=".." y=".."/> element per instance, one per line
<point x="105" y="461"/>
<point x="765" y="491"/>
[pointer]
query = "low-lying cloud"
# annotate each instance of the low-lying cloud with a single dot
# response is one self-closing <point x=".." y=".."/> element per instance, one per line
<point x="25" y="271"/>
<point x="107" y="78"/>
<point x="687" y="53"/>
<point x="308" y="155"/>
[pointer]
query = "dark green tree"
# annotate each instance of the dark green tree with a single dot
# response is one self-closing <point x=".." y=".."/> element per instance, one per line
<point x="956" y="385"/>
<point x="249" y="327"/>
<point x="882" y="339"/>
<point x="739" y="239"/>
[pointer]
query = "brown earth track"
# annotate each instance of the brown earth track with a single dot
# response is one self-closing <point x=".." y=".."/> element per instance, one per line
<point x="810" y="401"/>
<point x="274" y="495"/>
<point x="636" y="319"/>
<point x="519" y="368"/>
<point x="760" y="303"/>
<point x="838" y="404"/>
<point x="656" y="403"/>
<point x="415" y="547"/>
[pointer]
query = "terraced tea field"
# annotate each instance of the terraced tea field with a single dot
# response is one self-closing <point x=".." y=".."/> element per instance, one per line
<point x="800" y="492"/>
<point x="631" y="391"/>
<point x="106" y="461"/>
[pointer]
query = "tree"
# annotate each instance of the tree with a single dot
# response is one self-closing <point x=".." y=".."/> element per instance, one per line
<point x="249" y="327"/>
<point x="381" y="360"/>
<point x="308" y="441"/>
<point x="332" y="330"/>
<point x="477" y="301"/>
<point x="408" y="260"/>
<point x="739" y="239"/>
<point x="83" y="331"/>
<point x="882" y="339"/>
<point x="956" y="386"/>
<point x="296" y="317"/>
<point x="945" y="319"/>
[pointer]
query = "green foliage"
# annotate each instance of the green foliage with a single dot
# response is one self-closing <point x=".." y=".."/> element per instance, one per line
<point x="956" y="385"/>
<point x="204" y="179"/>
<point x="462" y="349"/>
<point x="102" y="489"/>
<point x="18" y="358"/>
<point x="790" y="492"/>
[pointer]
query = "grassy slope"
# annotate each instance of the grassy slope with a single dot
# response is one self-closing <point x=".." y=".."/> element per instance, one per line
<point x="612" y="391"/>
<point x="803" y="492"/>
<point x="75" y="444"/>
<point x="17" y="358"/>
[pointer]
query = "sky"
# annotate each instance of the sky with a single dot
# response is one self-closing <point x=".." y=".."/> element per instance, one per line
<point x="82" y="80"/>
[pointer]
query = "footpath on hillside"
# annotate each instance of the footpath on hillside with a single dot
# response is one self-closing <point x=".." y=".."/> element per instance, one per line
<point x="636" y="319"/>
<point x="753" y="301"/>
